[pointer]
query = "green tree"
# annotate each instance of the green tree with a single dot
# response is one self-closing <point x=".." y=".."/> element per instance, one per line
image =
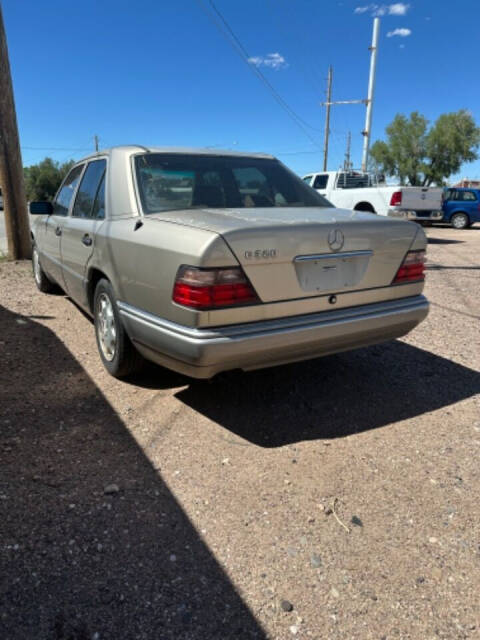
<point x="419" y="156"/>
<point x="43" y="179"/>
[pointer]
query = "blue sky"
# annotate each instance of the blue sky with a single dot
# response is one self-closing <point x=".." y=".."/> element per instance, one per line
<point x="161" y="73"/>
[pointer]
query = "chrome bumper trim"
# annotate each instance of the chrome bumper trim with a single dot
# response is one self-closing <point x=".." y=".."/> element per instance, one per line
<point x="204" y="352"/>
<point x="437" y="216"/>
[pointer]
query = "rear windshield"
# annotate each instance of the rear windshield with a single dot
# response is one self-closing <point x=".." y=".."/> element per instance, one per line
<point x="180" y="181"/>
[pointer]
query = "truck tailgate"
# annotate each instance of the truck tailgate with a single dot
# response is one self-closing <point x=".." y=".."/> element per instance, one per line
<point x="421" y="198"/>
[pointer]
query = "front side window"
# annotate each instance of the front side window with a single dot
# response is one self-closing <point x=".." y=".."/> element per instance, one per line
<point x="88" y="189"/>
<point x="186" y="181"/>
<point x="65" y="195"/>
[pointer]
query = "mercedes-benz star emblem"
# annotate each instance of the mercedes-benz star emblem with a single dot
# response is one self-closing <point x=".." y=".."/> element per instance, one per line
<point x="335" y="239"/>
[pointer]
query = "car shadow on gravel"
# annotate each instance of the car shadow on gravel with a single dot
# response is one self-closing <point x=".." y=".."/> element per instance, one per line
<point x="332" y="397"/>
<point x="80" y="559"/>
<point x="442" y="267"/>
<point x="444" y="241"/>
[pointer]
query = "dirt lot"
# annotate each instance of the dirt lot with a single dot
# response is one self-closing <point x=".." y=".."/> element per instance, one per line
<point x="347" y="487"/>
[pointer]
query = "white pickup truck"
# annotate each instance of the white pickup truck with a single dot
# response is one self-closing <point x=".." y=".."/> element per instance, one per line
<point x="368" y="192"/>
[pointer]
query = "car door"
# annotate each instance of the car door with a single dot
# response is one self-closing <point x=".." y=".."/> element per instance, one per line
<point x="448" y="203"/>
<point x="78" y="237"/>
<point x="470" y="204"/>
<point x="49" y="237"/>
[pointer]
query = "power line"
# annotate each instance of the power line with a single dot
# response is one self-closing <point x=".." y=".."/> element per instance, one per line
<point x="238" y="47"/>
<point x="300" y="41"/>
<point x="56" y="148"/>
<point x="294" y="153"/>
<point x="256" y="70"/>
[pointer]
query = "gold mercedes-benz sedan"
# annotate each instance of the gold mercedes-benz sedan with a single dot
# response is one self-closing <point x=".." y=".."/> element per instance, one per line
<point x="204" y="261"/>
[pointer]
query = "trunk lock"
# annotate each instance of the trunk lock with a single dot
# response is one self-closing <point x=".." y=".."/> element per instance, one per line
<point x="332" y="299"/>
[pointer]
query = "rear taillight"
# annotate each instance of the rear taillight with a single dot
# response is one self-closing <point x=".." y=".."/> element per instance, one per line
<point x="396" y="199"/>
<point x="412" y="268"/>
<point x="212" y="288"/>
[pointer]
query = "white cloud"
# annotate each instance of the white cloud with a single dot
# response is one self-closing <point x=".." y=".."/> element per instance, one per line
<point x="396" y="9"/>
<point x="402" y="33"/>
<point x="273" y="60"/>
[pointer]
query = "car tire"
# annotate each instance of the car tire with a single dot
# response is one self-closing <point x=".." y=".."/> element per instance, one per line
<point x="460" y="221"/>
<point x="119" y="356"/>
<point x="44" y="284"/>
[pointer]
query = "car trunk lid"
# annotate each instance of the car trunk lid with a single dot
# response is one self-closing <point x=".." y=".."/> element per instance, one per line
<point x="292" y="253"/>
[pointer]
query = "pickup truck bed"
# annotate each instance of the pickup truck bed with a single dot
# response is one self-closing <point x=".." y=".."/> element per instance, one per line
<point x="359" y="191"/>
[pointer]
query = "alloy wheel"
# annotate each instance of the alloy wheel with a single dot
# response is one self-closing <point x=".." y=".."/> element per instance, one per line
<point x="37" y="269"/>
<point x="460" y="221"/>
<point x="106" y="327"/>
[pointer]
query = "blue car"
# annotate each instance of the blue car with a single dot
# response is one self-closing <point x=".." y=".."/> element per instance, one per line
<point x="461" y="207"/>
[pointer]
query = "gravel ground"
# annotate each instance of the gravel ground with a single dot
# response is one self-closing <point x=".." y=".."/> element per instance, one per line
<point x="332" y="499"/>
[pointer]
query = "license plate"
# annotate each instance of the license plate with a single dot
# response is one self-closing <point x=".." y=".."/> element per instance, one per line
<point x="331" y="272"/>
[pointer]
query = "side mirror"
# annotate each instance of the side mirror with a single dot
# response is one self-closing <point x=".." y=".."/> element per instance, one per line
<point x="41" y="208"/>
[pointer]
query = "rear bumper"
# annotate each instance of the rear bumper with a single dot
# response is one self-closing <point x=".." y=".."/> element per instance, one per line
<point x="432" y="216"/>
<point x="201" y="353"/>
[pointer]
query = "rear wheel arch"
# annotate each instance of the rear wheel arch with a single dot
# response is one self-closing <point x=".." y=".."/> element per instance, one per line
<point x="364" y="206"/>
<point x="94" y="277"/>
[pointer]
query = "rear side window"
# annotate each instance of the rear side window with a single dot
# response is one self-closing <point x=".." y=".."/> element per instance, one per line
<point x="65" y="195"/>
<point x="468" y="196"/>
<point x="99" y="204"/>
<point x="352" y="180"/>
<point x="321" y="182"/>
<point x="89" y="187"/>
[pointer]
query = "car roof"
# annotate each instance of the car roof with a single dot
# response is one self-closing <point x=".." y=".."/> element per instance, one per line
<point x="138" y="148"/>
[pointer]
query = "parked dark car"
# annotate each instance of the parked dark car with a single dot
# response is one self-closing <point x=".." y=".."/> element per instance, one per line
<point x="461" y="207"/>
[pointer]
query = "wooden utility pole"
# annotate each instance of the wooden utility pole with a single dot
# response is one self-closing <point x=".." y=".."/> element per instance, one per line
<point x="327" y="118"/>
<point x="11" y="169"/>
<point x="347" y="165"/>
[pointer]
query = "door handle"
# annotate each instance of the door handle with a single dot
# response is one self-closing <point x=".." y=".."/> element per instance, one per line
<point x="58" y="231"/>
<point x="87" y="241"/>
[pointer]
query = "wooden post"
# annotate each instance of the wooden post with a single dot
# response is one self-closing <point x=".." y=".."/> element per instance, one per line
<point x="327" y="118"/>
<point x="11" y="169"/>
